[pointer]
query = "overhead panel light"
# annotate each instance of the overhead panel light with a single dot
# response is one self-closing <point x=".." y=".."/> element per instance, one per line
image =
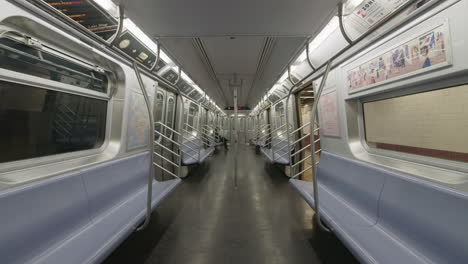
<point x="187" y="78"/>
<point x="198" y="88"/>
<point x="283" y="77"/>
<point x="108" y="5"/>
<point x="166" y="58"/>
<point x="130" y="26"/>
<point x="301" y="58"/>
<point x="325" y="33"/>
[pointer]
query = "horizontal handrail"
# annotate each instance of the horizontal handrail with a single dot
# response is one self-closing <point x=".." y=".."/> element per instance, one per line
<point x="277" y="143"/>
<point x="166" y="137"/>
<point x="166" y="126"/>
<point x="166" y="159"/>
<point x="273" y="131"/>
<point x="299" y="128"/>
<point x="166" y="170"/>
<point x="299" y="151"/>
<point x="302" y="160"/>
<point x="302" y="138"/>
<point x="166" y="148"/>
<point x="295" y="176"/>
<point x="283" y="147"/>
<point x="196" y="129"/>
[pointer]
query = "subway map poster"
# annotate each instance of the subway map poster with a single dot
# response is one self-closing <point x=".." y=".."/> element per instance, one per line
<point x="137" y="129"/>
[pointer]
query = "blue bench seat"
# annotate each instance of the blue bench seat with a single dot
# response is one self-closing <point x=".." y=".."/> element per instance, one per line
<point x="281" y="151"/>
<point x="191" y="149"/>
<point x="386" y="217"/>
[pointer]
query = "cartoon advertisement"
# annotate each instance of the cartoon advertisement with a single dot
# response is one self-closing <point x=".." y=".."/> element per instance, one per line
<point x="426" y="51"/>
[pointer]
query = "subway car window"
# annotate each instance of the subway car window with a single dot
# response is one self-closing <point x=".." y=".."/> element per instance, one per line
<point x="431" y="123"/>
<point x="170" y="114"/>
<point x="158" y="113"/>
<point x="279" y="112"/>
<point x="192" y="117"/>
<point x="37" y="122"/>
<point x="19" y="57"/>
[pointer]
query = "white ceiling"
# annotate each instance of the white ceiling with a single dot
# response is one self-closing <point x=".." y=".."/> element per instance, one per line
<point x="198" y="35"/>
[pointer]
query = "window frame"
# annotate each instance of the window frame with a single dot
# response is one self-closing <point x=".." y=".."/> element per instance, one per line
<point x="403" y="158"/>
<point x="279" y="116"/>
<point x="32" y="80"/>
<point x="195" y="115"/>
<point x="163" y="110"/>
<point x="174" y="107"/>
<point x="42" y="83"/>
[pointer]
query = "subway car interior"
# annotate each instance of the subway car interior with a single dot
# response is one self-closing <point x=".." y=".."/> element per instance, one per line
<point x="172" y="131"/>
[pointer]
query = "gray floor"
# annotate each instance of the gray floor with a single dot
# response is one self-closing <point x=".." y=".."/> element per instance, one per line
<point x="214" y="217"/>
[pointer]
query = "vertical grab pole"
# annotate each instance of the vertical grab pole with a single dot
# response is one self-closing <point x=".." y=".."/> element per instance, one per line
<point x="151" y="146"/>
<point x="235" y="136"/>
<point x="312" y="145"/>
<point x="182" y="129"/>
<point x="287" y="120"/>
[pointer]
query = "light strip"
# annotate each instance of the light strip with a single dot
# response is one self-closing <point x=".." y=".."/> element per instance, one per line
<point x="325" y="33"/>
<point x="108" y="5"/>
<point x="128" y="24"/>
<point x="187" y="78"/>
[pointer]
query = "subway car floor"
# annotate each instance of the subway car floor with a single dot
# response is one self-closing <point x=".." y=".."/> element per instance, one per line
<point x="215" y="217"/>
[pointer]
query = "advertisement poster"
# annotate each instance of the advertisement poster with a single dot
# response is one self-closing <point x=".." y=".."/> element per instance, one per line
<point x="370" y="12"/>
<point x="426" y="51"/>
<point x="328" y="115"/>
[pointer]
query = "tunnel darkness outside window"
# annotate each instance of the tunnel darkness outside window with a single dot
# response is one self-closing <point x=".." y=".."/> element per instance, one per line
<point x="38" y="122"/>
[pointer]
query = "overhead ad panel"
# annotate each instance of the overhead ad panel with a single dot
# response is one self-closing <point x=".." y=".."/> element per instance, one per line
<point x="131" y="46"/>
<point x="89" y="15"/>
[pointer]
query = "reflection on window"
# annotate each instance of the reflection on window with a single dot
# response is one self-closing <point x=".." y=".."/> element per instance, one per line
<point x="431" y="124"/>
<point x="38" y="122"/>
<point x="18" y="57"/>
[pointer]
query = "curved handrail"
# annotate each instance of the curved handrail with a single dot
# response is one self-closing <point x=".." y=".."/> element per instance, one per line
<point x="312" y="147"/>
<point x="111" y="42"/>
<point x="342" y="29"/>
<point x="151" y="144"/>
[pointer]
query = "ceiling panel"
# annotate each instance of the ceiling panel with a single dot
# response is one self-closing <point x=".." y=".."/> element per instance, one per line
<point x="233" y="35"/>
<point x="182" y="18"/>
<point x="238" y="55"/>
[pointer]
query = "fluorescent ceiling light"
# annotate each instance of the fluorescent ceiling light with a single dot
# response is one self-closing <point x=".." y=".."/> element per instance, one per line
<point x="350" y="5"/>
<point x="166" y="58"/>
<point x="294" y="68"/>
<point x="187" y="78"/>
<point x="129" y="25"/>
<point x="283" y="77"/>
<point x="197" y="88"/>
<point x="301" y="58"/>
<point x="108" y="5"/>
<point x="325" y="33"/>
